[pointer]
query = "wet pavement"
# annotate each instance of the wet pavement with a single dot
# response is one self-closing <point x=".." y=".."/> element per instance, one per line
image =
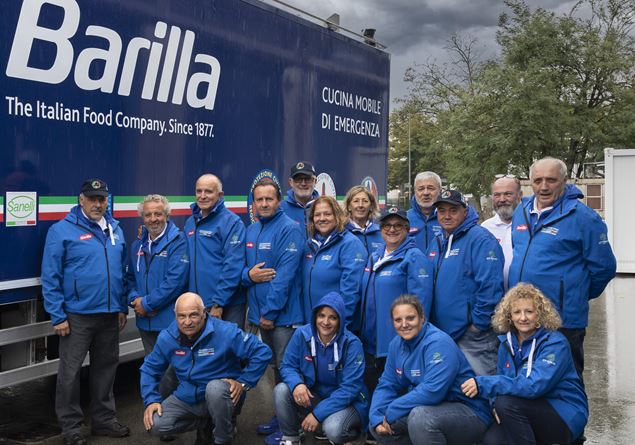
<point x="27" y="411"/>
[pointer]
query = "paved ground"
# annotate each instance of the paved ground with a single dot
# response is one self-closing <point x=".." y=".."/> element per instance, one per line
<point x="26" y="412"/>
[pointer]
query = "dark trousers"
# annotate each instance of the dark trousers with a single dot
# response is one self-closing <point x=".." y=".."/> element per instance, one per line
<point x="99" y="335"/>
<point x="526" y="422"/>
<point x="374" y="370"/>
<point x="169" y="381"/>
<point x="576" y="342"/>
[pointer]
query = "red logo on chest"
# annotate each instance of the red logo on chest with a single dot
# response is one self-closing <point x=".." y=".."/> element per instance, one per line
<point x="179" y="352"/>
<point x="432" y="254"/>
<point x="308" y="358"/>
<point x="250" y="245"/>
<point x="521" y="227"/>
<point x="85" y="236"/>
<point x="506" y="364"/>
<point x="308" y="256"/>
<point x="190" y="233"/>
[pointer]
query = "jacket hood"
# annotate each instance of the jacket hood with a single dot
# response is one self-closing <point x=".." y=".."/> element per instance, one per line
<point x="198" y="213"/>
<point x="415" y="207"/>
<point x="76" y="215"/>
<point x="291" y="198"/>
<point x="335" y="302"/>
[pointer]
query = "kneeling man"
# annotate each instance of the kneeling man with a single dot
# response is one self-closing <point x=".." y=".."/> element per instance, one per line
<point x="206" y="354"/>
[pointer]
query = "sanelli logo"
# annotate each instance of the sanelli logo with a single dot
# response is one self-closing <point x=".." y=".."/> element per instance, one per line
<point x="174" y="78"/>
<point x="21" y="207"/>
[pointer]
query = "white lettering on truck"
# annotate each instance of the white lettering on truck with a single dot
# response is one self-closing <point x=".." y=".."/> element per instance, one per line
<point x="28" y="32"/>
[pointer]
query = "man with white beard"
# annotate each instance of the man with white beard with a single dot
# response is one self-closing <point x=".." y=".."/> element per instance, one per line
<point x="506" y="196"/>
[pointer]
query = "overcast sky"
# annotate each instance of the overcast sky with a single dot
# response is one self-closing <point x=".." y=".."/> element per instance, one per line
<point x="416" y="31"/>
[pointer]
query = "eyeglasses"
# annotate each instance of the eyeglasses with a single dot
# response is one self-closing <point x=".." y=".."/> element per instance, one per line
<point x="504" y="175"/>
<point x="395" y="227"/>
<point x="303" y="179"/>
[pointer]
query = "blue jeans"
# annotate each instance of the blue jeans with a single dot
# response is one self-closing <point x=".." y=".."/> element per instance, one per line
<point x="340" y="427"/>
<point x="179" y="416"/>
<point x="481" y="351"/>
<point x="450" y="423"/>
<point x="277" y="339"/>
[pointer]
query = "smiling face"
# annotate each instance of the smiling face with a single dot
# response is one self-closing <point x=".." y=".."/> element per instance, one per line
<point x="324" y="218"/>
<point x="450" y="216"/>
<point x="426" y="192"/>
<point x="207" y="193"/>
<point x="406" y="321"/>
<point x="359" y="208"/>
<point x="327" y="323"/>
<point x="524" y="317"/>
<point x="154" y="218"/>
<point x="506" y="196"/>
<point x="93" y="206"/>
<point x="302" y="186"/>
<point x="547" y="182"/>
<point x="266" y="200"/>
<point x="394" y="231"/>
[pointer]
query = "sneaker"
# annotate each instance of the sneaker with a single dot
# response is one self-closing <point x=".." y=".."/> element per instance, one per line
<point x="75" y="439"/>
<point x="290" y="442"/>
<point x="319" y="435"/>
<point x="112" y="429"/>
<point x="269" y="427"/>
<point x="273" y="438"/>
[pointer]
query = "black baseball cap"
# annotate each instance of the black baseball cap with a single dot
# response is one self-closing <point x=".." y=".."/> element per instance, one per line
<point x="94" y="187"/>
<point x="393" y="211"/>
<point x="304" y="168"/>
<point x="453" y="197"/>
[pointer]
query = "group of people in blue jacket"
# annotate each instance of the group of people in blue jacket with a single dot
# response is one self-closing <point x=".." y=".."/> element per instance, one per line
<point x="387" y="326"/>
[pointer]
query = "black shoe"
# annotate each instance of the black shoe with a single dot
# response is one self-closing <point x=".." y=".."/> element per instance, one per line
<point x="204" y="434"/>
<point x="75" y="439"/>
<point x="112" y="429"/>
<point x="167" y="437"/>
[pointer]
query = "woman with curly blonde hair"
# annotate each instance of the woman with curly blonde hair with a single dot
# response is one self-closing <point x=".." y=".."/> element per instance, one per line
<point x="362" y="209"/>
<point x="539" y="396"/>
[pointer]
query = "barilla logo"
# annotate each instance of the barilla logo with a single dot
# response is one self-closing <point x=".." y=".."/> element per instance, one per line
<point x="140" y="253"/>
<point x="85" y="236"/>
<point x="190" y="233"/>
<point x="308" y="358"/>
<point x="432" y="254"/>
<point x="308" y="256"/>
<point x="398" y="371"/>
<point x="507" y="365"/>
<point x="366" y="269"/>
<point x="521" y="227"/>
<point x="179" y="352"/>
<point x="250" y="245"/>
<point x="413" y="230"/>
<point x="173" y="79"/>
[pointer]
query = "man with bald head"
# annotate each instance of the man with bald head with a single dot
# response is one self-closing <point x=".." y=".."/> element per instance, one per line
<point x="215" y="363"/>
<point x="216" y="247"/>
<point x="561" y="246"/>
<point x="506" y="195"/>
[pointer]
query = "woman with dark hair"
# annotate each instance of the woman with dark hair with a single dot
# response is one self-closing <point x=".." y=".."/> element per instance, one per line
<point x="361" y="209"/>
<point x="334" y="258"/>
<point x="323" y="379"/>
<point x="399" y="268"/>
<point x="419" y="400"/>
<point x="539" y="397"/>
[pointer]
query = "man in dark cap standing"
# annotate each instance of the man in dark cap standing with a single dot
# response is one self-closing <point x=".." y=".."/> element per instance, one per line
<point x="83" y="287"/>
<point x="302" y="194"/>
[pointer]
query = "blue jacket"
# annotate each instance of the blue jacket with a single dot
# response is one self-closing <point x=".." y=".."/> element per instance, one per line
<point x="408" y="271"/>
<point x="370" y="237"/>
<point x="216" y="246"/>
<point x="278" y="242"/>
<point x="468" y="277"/>
<point x="426" y="370"/>
<point x="338" y="380"/>
<point x="552" y="376"/>
<point x="83" y="269"/>
<point x="566" y="253"/>
<point x="159" y="276"/>
<point x="336" y="266"/>
<point x="423" y="229"/>
<point x="298" y="212"/>
<point x="216" y="354"/>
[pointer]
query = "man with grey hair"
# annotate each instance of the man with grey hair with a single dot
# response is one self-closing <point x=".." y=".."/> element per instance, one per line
<point x="561" y="246"/>
<point x="506" y="195"/>
<point x="157" y="275"/>
<point x="215" y="363"/>
<point x="422" y="215"/>
<point x="216" y="246"/>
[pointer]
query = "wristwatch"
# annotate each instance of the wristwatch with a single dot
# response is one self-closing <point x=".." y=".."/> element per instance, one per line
<point x="245" y="387"/>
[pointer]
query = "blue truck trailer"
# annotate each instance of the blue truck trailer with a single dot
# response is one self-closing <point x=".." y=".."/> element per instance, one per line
<point x="148" y="95"/>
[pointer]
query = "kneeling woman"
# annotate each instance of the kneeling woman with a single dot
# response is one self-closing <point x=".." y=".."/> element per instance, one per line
<point x="323" y="378"/>
<point x="419" y="399"/>
<point x="539" y="395"/>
